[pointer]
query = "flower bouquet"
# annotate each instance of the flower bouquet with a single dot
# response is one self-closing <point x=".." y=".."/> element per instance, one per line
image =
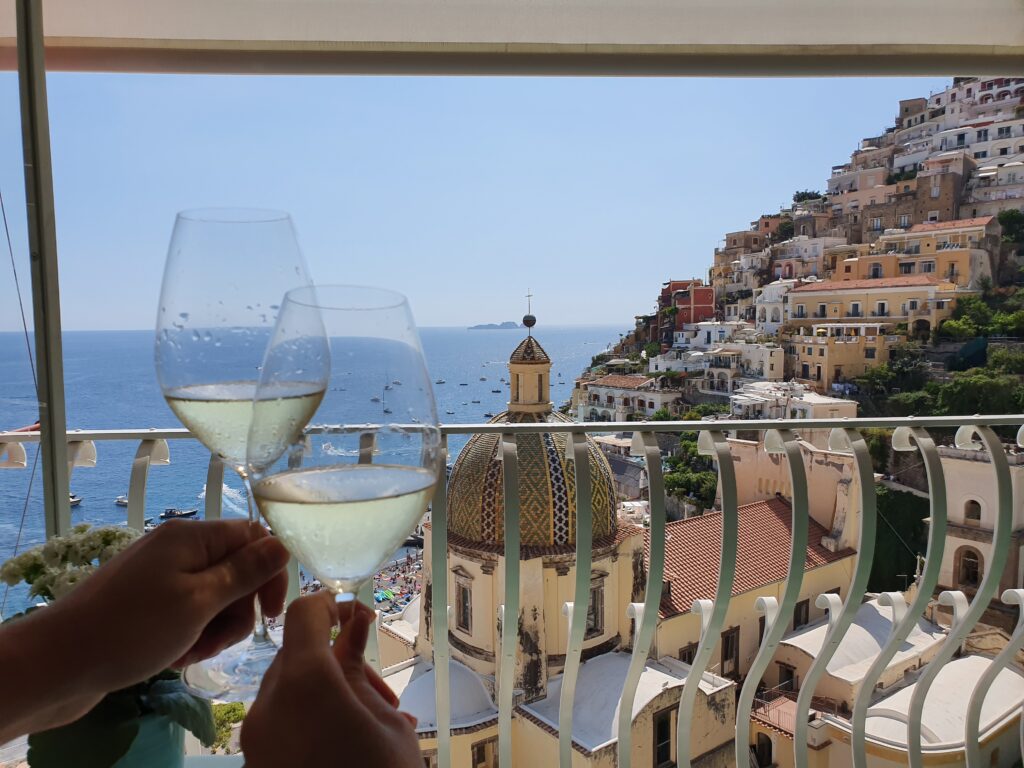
<point x="142" y="725"/>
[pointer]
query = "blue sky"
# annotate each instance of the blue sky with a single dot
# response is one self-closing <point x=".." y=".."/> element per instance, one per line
<point x="460" y="192"/>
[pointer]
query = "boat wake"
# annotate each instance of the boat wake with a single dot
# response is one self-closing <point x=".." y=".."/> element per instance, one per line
<point x="232" y="500"/>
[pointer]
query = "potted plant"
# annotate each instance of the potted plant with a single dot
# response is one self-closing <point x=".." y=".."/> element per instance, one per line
<point x="143" y="725"/>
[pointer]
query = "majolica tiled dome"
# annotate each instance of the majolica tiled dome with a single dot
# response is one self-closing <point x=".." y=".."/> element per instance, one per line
<point x="547" y="489"/>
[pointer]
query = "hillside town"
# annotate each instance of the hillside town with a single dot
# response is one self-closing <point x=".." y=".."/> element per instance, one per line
<point x="893" y="292"/>
<point x="893" y="281"/>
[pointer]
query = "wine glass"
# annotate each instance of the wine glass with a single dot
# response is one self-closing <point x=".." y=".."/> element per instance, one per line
<point x="343" y="494"/>
<point x="225" y="274"/>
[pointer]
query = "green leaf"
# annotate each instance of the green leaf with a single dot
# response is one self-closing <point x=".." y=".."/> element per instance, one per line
<point x="171" y="699"/>
<point x="97" y="740"/>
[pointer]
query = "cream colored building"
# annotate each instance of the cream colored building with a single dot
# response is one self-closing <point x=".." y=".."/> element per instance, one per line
<point x="619" y="397"/>
<point x="731" y="366"/>
<point x="949" y="254"/>
<point x="943" y="723"/>
<point x="971" y="499"/>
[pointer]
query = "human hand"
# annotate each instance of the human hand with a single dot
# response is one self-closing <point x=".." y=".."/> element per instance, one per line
<point x="319" y="703"/>
<point x="178" y="594"/>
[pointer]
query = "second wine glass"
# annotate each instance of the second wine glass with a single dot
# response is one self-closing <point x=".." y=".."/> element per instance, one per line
<point x="345" y="493"/>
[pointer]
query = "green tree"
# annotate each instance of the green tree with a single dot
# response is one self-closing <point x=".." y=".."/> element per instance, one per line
<point x="661" y="414"/>
<point x="908" y="367"/>
<point x="920" y="403"/>
<point x="785" y="231"/>
<point x="960" y="330"/>
<point x="876" y="381"/>
<point x="975" y="309"/>
<point x="653" y="349"/>
<point x="1006" y="361"/>
<point x="806" y="194"/>
<point x="980" y="391"/>
<point x="1012" y="222"/>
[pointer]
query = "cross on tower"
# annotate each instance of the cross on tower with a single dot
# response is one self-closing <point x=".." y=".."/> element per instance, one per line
<point x="529" y="320"/>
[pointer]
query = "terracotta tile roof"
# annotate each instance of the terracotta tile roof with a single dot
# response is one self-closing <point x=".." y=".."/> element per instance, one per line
<point x="619" y="381"/>
<point x="935" y="226"/>
<point x="904" y="281"/>
<point x="692" y="553"/>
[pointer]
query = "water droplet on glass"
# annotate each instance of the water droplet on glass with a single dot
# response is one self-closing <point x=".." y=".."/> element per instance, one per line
<point x="275" y="306"/>
<point x="196" y="336"/>
<point x="183" y="315"/>
<point x="248" y="306"/>
<point x="207" y="336"/>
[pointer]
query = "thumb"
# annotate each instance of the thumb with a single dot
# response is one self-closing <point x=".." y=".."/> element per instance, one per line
<point x="245" y="570"/>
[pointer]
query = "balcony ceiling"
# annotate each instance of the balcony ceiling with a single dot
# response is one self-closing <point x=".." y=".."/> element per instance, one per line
<point x="685" y="37"/>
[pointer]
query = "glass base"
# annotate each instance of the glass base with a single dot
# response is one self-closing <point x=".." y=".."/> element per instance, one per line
<point x="235" y="673"/>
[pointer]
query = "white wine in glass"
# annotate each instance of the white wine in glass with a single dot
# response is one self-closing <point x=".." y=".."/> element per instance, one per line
<point x="344" y="494"/>
<point x="225" y="274"/>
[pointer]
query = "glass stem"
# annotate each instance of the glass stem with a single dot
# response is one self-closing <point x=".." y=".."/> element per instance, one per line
<point x="259" y="633"/>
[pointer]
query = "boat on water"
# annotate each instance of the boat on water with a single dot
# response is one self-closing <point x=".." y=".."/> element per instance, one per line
<point x="74" y="499"/>
<point x="440" y="381"/>
<point x="496" y="391"/>
<point x="449" y="412"/>
<point x="387" y="410"/>
<point x="172" y="513"/>
<point x="474" y="401"/>
<point x="387" y="387"/>
<point x="483" y="378"/>
<point x="397" y="383"/>
<point x="489" y="415"/>
<point x="414" y="540"/>
<point x="463" y="385"/>
<point x="375" y="399"/>
<point x="121" y="501"/>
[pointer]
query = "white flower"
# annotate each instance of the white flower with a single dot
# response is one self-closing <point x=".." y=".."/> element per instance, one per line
<point x="54" y="551"/>
<point x="10" y="573"/>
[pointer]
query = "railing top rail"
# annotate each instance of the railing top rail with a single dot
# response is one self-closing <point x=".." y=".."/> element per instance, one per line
<point x="591" y="426"/>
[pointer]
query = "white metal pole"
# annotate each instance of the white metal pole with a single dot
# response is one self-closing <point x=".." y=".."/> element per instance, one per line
<point x="42" y="240"/>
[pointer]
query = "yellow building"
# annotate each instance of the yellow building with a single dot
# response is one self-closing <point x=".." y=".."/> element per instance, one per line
<point x="920" y="301"/>
<point x="834" y="353"/>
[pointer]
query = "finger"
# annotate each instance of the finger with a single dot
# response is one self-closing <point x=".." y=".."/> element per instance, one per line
<point x="307" y="627"/>
<point x="244" y="571"/>
<point x="378" y="684"/>
<point x="273" y="593"/>
<point x="411" y="718"/>
<point x="226" y="628"/>
<point x="208" y="541"/>
<point x="348" y="650"/>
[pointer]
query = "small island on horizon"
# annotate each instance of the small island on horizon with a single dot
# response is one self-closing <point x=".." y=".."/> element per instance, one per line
<point x="508" y="325"/>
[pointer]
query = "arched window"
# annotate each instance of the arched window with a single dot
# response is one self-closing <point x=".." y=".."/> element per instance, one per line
<point x="969" y="567"/>
<point x="775" y="314"/>
<point x="972" y="512"/>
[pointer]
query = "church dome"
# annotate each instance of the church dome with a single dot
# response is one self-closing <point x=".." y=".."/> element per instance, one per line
<point x="547" y="490"/>
<point x="547" y="479"/>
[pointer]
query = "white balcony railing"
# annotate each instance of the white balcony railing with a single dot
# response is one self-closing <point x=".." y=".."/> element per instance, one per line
<point x="973" y="433"/>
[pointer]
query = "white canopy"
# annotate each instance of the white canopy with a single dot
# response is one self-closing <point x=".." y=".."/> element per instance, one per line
<point x="530" y="36"/>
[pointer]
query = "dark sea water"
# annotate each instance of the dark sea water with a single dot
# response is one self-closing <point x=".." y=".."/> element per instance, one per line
<point x="110" y="383"/>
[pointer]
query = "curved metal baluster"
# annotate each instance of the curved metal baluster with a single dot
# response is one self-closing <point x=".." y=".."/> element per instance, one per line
<point x="1000" y="662"/>
<point x="214" y="496"/>
<point x="777" y="616"/>
<point x="845" y="440"/>
<point x="905" y="439"/>
<point x="986" y="590"/>
<point x="149" y="452"/>
<point x="711" y="443"/>
<point x="17" y="458"/>
<point x="645" y="615"/>
<point x="581" y="597"/>
<point x="439" y="611"/>
<point x="510" y="622"/>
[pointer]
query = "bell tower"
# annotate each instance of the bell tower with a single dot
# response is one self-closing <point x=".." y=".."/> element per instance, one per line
<point x="529" y="370"/>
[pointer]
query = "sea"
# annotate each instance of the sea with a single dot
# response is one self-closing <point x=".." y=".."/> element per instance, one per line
<point x="110" y="383"/>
